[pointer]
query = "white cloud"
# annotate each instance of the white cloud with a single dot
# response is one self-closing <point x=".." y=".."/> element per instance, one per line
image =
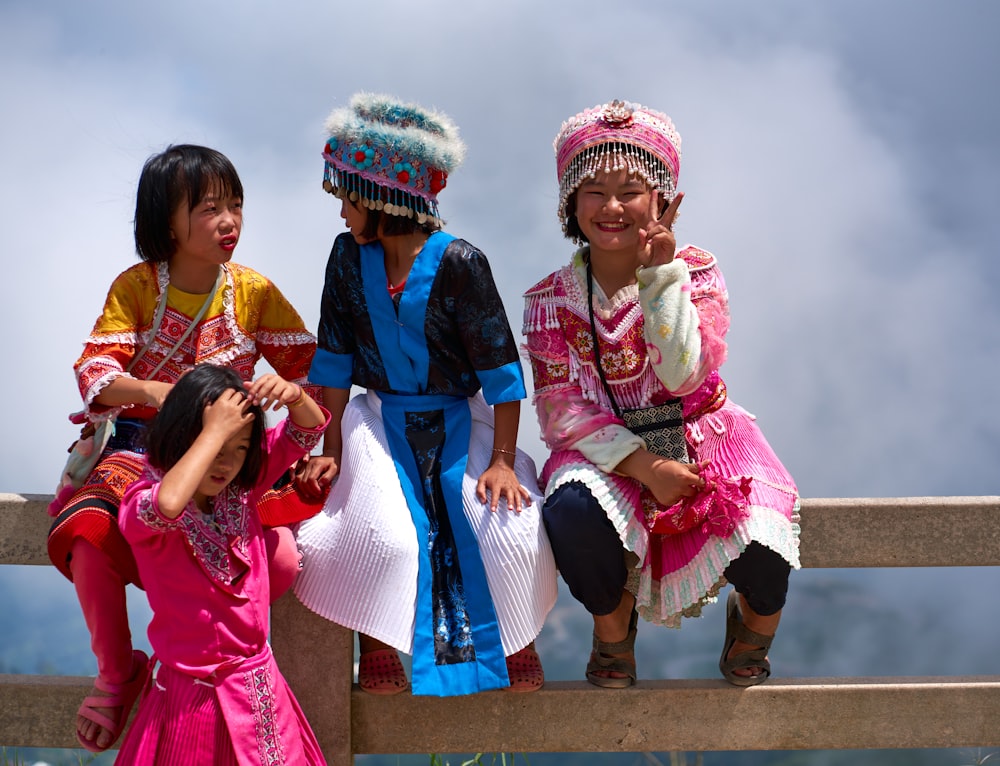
<point x="842" y="323"/>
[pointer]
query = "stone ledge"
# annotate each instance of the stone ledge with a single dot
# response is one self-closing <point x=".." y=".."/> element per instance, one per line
<point x="836" y="532"/>
<point x="573" y="716"/>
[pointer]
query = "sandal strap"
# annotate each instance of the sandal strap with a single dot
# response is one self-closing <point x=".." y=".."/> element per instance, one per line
<point x="613" y="665"/>
<point x="754" y="658"/>
<point x="624" y="646"/>
<point x="736" y="629"/>
<point x="742" y="633"/>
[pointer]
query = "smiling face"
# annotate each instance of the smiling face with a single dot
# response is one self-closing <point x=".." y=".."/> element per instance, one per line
<point x="209" y="232"/>
<point x="611" y="208"/>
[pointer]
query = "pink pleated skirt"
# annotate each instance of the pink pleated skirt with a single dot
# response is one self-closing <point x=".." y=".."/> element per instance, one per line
<point x="677" y="574"/>
<point x="249" y="717"/>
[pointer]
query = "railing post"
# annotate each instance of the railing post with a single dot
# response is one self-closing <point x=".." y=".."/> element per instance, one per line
<point x="317" y="658"/>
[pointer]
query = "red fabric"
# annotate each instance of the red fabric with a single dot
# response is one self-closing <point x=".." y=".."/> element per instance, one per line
<point x="92" y="513"/>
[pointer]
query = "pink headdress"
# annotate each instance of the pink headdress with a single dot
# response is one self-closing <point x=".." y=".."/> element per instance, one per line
<point x="615" y="136"/>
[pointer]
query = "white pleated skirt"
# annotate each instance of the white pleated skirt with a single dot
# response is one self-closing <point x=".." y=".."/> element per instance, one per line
<point x="360" y="555"/>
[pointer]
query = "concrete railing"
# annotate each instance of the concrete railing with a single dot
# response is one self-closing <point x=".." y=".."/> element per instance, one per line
<point x="572" y="716"/>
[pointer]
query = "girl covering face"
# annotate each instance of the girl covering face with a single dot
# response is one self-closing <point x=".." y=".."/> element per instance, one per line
<point x="185" y="304"/>
<point x="193" y="524"/>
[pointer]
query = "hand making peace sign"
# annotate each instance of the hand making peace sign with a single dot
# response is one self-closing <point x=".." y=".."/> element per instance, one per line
<point x="657" y="244"/>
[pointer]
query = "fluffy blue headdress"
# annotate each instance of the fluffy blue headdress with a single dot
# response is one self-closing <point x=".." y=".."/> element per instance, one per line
<point x="390" y="156"/>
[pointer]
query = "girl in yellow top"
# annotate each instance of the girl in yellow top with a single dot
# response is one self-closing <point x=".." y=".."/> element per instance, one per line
<point x="184" y="305"/>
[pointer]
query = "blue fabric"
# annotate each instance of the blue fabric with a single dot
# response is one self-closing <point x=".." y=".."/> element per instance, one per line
<point x="330" y="370"/>
<point x="400" y="338"/>
<point x="504" y="384"/>
<point x="456" y="640"/>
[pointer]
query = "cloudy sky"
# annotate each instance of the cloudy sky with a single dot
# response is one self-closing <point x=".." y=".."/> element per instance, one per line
<point x="839" y="158"/>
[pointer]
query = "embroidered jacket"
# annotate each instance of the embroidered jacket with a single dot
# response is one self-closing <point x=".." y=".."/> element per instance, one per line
<point x="247" y="319"/>
<point x="661" y="338"/>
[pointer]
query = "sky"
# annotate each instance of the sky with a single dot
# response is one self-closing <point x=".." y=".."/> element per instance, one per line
<point x="839" y="158"/>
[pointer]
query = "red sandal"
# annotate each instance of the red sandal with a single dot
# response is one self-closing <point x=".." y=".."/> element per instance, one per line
<point x="381" y="672"/>
<point x="524" y="669"/>
<point x="121" y="696"/>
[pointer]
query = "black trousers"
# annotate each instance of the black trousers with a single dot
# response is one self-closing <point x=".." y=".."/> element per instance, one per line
<point x="591" y="558"/>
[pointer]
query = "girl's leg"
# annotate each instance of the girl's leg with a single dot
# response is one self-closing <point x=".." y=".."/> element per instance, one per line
<point x="760" y="576"/>
<point x="100" y="589"/>
<point x="591" y="559"/>
<point x="588" y="553"/>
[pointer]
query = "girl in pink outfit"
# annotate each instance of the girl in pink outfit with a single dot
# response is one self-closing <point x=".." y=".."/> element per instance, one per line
<point x="187" y="303"/>
<point x="634" y="328"/>
<point x="193" y="524"/>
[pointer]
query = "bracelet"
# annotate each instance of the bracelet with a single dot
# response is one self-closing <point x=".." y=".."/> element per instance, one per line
<point x="299" y="401"/>
<point x="504" y="451"/>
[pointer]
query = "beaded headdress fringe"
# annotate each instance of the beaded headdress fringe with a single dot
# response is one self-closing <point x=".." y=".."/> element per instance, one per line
<point x="390" y="156"/>
<point x="615" y="136"/>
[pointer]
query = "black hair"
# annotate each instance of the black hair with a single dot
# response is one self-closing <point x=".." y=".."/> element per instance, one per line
<point x="393" y="225"/>
<point x="180" y="172"/>
<point x="572" y="229"/>
<point x="179" y="421"/>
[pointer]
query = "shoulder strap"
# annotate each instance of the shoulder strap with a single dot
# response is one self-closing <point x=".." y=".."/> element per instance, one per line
<point x="161" y="309"/>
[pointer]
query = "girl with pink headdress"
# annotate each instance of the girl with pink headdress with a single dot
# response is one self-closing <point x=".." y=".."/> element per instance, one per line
<point x="659" y="488"/>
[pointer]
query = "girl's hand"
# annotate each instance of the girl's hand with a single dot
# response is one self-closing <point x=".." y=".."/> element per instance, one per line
<point x="657" y="244"/>
<point x="499" y="480"/>
<point x="272" y="391"/>
<point x="227" y="415"/>
<point x="315" y="473"/>
<point x="670" y="481"/>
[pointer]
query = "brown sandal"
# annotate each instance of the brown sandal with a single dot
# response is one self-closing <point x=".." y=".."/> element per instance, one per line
<point x="524" y="669"/>
<point x="600" y="662"/>
<point x="381" y="672"/>
<point x="752" y="658"/>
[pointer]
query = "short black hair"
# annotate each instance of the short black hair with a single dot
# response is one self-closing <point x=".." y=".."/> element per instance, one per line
<point x="181" y="171"/>
<point x="179" y="421"/>
<point x="572" y="228"/>
<point x="393" y="225"/>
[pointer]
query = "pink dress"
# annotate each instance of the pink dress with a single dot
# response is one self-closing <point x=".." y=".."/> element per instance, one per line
<point x="661" y="338"/>
<point x="218" y="696"/>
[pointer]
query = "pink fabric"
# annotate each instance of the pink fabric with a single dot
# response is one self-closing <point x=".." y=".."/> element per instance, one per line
<point x="751" y="497"/>
<point x="207" y="580"/>
<point x="716" y="508"/>
<point x="185" y="721"/>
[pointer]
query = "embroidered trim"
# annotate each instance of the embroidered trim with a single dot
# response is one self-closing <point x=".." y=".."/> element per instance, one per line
<point x="208" y="536"/>
<point x="260" y="693"/>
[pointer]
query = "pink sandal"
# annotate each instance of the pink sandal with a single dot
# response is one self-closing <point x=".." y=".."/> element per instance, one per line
<point x="381" y="672"/>
<point x="524" y="669"/>
<point x="121" y="696"/>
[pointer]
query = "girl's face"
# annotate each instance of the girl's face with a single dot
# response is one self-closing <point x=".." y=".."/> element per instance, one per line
<point x="355" y="216"/>
<point x="210" y="231"/>
<point x="611" y="208"/>
<point x="225" y="467"/>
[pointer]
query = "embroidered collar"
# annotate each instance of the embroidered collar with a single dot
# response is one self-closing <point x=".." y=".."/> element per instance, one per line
<point x="213" y="537"/>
